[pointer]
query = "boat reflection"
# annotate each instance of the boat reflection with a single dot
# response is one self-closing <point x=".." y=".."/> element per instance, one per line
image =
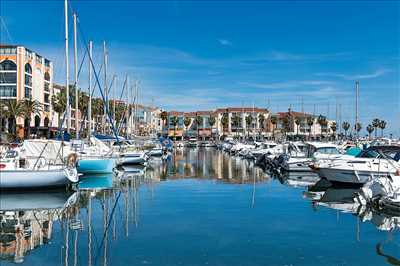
<point x="343" y="200"/>
<point x="204" y="163"/>
<point x="26" y="220"/>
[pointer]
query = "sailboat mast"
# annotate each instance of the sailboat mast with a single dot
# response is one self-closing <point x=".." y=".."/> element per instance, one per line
<point x="90" y="90"/>
<point x="105" y="86"/>
<point x="67" y="67"/>
<point x="114" y="98"/>
<point x="76" y="79"/>
<point x="357" y="95"/>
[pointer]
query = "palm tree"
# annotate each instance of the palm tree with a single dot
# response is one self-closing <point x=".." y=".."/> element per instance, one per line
<point x="59" y="104"/>
<point x="375" y="124"/>
<point x="164" y="117"/>
<point x="370" y="129"/>
<point x="211" y="122"/>
<point x="321" y="120"/>
<point x="334" y="128"/>
<point x="236" y="122"/>
<point x="199" y="122"/>
<point x="187" y="121"/>
<point x="174" y="121"/>
<point x="310" y="123"/>
<point x="382" y="126"/>
<point x="249" y="121"/>
<point x="297" y="121"/>
<point x="261" y="122"/>
<point x="358" y="127"/>
<point x="274" y="121"/>
<point x="345" y="126"/>
<point x="12" y="110"/>
<point x="30" y="108"/>
<point x="224" y="122"/>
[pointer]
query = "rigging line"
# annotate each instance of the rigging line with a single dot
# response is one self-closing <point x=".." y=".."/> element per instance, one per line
<point x="6" y="29"/>
<point x="98" y="83"/>
<point x="108" y="225"/>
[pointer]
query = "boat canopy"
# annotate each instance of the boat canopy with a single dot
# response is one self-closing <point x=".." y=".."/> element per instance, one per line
<point x="49" y="149"/>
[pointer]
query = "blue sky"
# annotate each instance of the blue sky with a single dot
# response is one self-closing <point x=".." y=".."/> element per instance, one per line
<point x="196" y="55"/>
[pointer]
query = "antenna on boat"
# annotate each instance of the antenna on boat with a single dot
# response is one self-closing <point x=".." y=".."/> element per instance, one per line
<point x="357" y="118"/>
<point x="68" y="109"/>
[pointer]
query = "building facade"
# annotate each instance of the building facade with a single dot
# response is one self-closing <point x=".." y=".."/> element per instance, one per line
<point x="26" y="75"/>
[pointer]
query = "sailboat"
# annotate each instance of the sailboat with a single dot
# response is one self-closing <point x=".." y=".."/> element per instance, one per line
<point x="37" y="164"/>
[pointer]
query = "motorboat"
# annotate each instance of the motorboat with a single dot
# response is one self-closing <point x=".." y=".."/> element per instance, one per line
<point x="296" y="160"/>
<point x="37" y="164"/>
<point x="132" y="157"/>
<point x="374" y="162"/>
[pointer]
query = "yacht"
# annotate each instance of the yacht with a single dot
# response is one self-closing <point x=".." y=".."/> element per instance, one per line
<point x="374" y="162"/>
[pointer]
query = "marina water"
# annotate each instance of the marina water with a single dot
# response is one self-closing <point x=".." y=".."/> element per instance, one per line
<point x="200" y="207"/>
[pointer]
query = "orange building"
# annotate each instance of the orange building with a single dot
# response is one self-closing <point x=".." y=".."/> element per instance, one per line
<point x="25" y="74"/>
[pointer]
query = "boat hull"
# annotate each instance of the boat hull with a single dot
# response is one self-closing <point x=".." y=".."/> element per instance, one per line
<point x="34" y="179"/>
<point x="96" y="166"/>
<point x="348" y="176"/>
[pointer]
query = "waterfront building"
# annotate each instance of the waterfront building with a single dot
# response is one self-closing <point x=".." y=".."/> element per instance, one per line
<point x="26" y="75"/>
<point x="229" y="122"/>
<point x="292" y="123"/>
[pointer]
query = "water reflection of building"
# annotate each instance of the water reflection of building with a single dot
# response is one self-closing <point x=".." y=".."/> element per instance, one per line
<point x="26" y="223"/>
<point x="208" y="164"/>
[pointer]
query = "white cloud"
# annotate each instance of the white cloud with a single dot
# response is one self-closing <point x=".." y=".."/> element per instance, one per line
<point x="286" y="84"/>
<point x="375" y="74"/>
<point x="224" y="42"/>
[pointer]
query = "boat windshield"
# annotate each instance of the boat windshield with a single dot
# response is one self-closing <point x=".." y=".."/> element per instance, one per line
<point x="328" y="150"/>
<point x="10" y="154"/>
<point x="368" y="154"/>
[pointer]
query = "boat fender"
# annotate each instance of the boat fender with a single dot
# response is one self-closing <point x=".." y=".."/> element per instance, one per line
<point x="71" y="160"/>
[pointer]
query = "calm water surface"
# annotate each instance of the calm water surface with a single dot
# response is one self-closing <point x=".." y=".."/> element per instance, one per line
<point x="202" y="207"/>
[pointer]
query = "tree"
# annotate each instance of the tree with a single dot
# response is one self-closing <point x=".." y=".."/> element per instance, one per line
<point x="261" y="122"/>
<point x="375" y="124"/>
<point x="59" y="104"/>
<point x="199" y="122"/>
<point x="249" y="121"/>
<point x="274" y="121"/>
<point x="236" y="122"/>
<point x="174" y="122"/>
<point x="164" y="117"/>
<point x="97" y="110"/>
<point x="334" y="128"/>
<point x="345" y="126"/>
<point x="382" y="126"/>
<point x="12" y="109"/>
<point x="370" y="129"/>
<point x="358" y="127"/>
<point x="211" y="122"/>
<point x="297" y="121"/>
<point x="224" y="121"/>
<point x="321" y="120"/>
<point x="30" y="108"/>
<point x="187" y="121"/>
<point x="310" y="123"/>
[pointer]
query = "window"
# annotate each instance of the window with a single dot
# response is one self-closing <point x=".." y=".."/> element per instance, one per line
<point x="8" y="50"/>
<point x="46" y="108"/>
<point x="47" y="63"/>
<point x="47" y="98"/>
<point x="28" y="92"/>
<point x="8" y="77"/>
<point x="8" y="65"/>
<point x="28" y="68"/>
<point x="46" y="87"/>
<point x="47" y="76"/>
<point x="28" y="80"/>
<point x="8" y="91"/>
<point x="38" y="59"/>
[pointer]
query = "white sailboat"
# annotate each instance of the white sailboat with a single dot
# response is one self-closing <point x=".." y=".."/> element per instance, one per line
<point x="37" y="164"/>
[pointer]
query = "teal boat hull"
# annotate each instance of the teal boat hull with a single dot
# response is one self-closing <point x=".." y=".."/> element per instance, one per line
<point x="95" y="166"/>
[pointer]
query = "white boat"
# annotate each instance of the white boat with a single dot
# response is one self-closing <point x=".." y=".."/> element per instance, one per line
<point x="37" y="164"/>
<point x="132" y="157"/>
<point x="372" y="163"/>
<point x="314" y="151"/>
